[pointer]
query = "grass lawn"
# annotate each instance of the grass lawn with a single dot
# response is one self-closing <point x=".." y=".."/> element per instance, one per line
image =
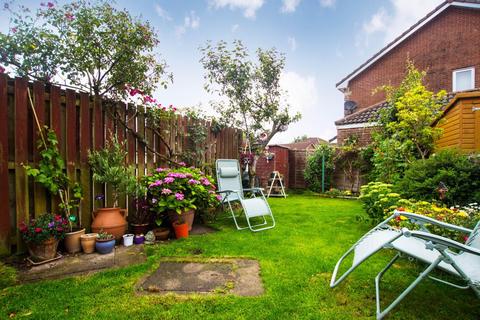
<point x="296" y="258"/>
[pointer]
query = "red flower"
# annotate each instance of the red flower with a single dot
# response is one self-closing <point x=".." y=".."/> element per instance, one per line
<point x="58" y="217"/>
<point x="38" y="230"/>
<point x="60" y="229"/>
<point x="23" y="227"/>
<point x="465" y="238"/>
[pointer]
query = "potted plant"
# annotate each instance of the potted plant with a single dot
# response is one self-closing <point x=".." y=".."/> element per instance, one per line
<point x="139" y="239"/>
<point x="108" y="166"/>
<point x="42" y="235"/>
<point x="105" y="242"/>
<point x="178" y="192"/>
<point x="161" y="233"/>
<point x="140" y="217"/>
<point x="51" y="173"/>
<point x="88" y="242"/>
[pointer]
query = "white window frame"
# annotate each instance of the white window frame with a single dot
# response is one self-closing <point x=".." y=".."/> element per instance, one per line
<point x="454" y="77"/>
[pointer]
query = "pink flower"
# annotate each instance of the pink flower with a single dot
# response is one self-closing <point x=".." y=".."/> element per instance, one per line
<point x="14" y="30"/>
<point x="2" y="69"/>
<point x="166" y="191"/>
<point x="69" y="16"/>
<point x="160" y="169"/>
<point x="219" y="197"/>
<point x="205" y="181"/>
<point x="168" y="179"/>
<point x="179" y="196"/>
<point x="193" y="181"/>
<point x="50" y="4"/>
<point x="183" y="164"/>
<point x="156" y="184"/>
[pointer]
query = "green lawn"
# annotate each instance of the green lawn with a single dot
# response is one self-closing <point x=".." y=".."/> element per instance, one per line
<point x="296" y="258"/>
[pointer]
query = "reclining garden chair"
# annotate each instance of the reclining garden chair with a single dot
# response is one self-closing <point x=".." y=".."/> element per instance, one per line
<point x="461" y="260"/>
<point x="230" y="188"/>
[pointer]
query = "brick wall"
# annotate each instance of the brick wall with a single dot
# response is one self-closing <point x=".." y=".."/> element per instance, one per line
<point x="278" y="163"/>
<point x="363" y="134"/>
<point x="449" y="42"/>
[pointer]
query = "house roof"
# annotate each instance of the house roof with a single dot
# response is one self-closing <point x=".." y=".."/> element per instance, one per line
<point x="303" y="145"/>
<point x="342" y="84"/>
<point x="370" y="115"/>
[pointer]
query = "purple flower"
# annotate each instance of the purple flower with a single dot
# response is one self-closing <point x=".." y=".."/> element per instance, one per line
<point x="219" y="197"/>
<point x="154" y="200"/>
<point x="183" y="164"/>
<point x="168" y="179"/>
<point x="205" y="181"/>
<point x="193" y="181"/>
<point x="160" y="169"/>
<point x="155" y="184"/>
<point x="51" y="224"/>
<point x="99" y="197"/>
<point x="179" y="196"/>
<point x="166" y="191"/>
<point x="50" y="4"/>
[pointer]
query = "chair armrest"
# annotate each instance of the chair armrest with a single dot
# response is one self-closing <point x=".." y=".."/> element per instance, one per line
<point x="227" y="191"/>
<point x="436" y="239"/>
<point x="254" y="189"/>
<point x="415" y="218"/>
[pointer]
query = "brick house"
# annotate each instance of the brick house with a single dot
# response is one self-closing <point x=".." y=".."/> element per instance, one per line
<point x="445" y="43"/>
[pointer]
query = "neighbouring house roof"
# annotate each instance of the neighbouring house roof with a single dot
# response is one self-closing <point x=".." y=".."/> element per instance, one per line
<point x="342" y="84"/>
<point x="305" y="144"/>
<point x="369" y="116"/>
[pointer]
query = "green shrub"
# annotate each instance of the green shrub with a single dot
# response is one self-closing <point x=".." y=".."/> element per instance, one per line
<point x="313" y="169"/>
<point x="378" y="200"/>
<point x="459" y="172"/>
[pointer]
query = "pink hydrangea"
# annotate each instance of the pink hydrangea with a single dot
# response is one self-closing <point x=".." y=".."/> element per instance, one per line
<point x="179" y="196"/>
<point x="160" y="169"/>
<point x="166" y="191"/>
<point x="219" y="197"/>
<point x="193" y="181"/>
<point x="183" y="164"/>
<point x="205" y="181"/>
<point x="168" y="179"/>
<point x="156" y="184"/>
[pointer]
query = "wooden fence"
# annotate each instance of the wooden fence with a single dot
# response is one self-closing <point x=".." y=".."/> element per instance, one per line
<point x="80" y="125"/>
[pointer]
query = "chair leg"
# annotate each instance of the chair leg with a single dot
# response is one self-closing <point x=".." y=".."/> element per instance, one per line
<point x="381" y="314"/>
<point x="235" y="219"/>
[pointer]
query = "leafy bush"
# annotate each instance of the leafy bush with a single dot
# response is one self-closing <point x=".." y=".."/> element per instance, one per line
<point x="378" y="200"/>
<point x="459" y="172"/>
<point x="44" y="227"/>
<point x="313" y="168"/>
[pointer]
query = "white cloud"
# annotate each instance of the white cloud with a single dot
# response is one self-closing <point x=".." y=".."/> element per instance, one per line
<point x="389" y="25"/>
<point x="301" y="90"/>
<point x="235" y="28"/>
<point x="292" y="43"/>
<point x="162" y="13"/>
<point x="249" y="7"/>
<point x="290" y="5"/>
<point x="191" y="21"/>
<point x="327" y="3"/>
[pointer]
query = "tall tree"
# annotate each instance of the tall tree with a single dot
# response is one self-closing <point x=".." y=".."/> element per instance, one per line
<point x="251" y="92"/>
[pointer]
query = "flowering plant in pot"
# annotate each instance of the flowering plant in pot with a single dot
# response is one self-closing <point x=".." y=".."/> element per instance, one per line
<point x="105" y="242"/>
<point x="42" y="235"/>
<point x="179" y="192"/>
<point x="140" y="217"/>
<point x="108" y="167"/>
<point x="51" y="173"/>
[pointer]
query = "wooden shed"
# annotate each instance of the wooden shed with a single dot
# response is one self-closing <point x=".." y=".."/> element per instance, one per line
<point x="461" y="123"/>
<point x="279" y="163"/>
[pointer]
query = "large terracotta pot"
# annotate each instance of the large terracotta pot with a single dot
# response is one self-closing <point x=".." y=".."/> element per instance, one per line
<point x="187" y="217"/>
<point x="72" y="241"/>
<point x="43" y="251"/>
<point x="111" y="220"/>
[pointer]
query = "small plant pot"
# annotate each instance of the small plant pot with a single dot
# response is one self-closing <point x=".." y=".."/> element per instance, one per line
<point x="128" y="239"/>
<point x="139" y="239"/>
<point x="181" y="230"/>
<point x="72" y="241"/>
<point x="161" y="234"/>
<point x="88" y="242"/>
<point x="104" y="246"/>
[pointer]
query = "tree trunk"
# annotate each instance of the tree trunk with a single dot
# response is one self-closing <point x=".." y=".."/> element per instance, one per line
<point x="252" y="171"/>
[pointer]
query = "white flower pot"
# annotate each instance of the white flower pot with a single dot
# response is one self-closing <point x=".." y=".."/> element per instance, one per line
<point x="127" y="240"/>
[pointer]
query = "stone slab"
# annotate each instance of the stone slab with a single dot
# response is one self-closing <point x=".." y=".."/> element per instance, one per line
<point x="199" y="229"/>
<point x="236" y="276"/>
<point x="78" y="264"/>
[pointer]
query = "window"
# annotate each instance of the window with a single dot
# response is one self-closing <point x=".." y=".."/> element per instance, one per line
<point x="464" y="79"/>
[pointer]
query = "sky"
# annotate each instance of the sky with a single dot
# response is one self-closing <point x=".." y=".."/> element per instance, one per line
<point x="323" y="41"/>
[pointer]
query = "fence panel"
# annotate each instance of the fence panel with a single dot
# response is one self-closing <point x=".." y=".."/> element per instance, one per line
<point x="81" y="123"/>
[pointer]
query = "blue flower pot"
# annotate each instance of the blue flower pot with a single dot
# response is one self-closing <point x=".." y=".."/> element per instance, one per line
<point x="104" y="247"/>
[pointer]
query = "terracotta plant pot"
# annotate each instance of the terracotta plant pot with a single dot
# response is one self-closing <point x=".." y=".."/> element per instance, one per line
<point x="161" y="233"/>
<point x="181" y="230"/>
<point x="110" y="220"/>
<point x="88" y="242"/>
<point x="187" y="217"/>
<point x="104" y="246"/>
<point x="72" y="241"/>
<point x="43" y="251"/>
<point x="141" y="228"/>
